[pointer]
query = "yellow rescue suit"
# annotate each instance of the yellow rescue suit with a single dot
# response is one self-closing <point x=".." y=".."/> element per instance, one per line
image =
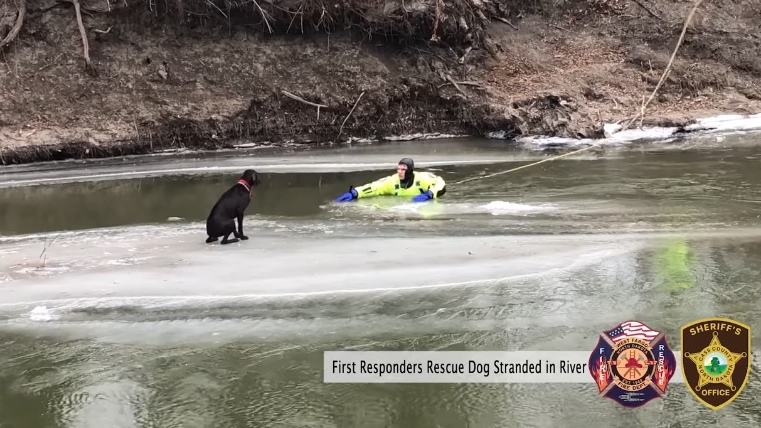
<point x="392" y="186"/>
<point x="674" y="263"/>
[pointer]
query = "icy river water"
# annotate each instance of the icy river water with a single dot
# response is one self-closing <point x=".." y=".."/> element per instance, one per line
<point x="115" y="313"/>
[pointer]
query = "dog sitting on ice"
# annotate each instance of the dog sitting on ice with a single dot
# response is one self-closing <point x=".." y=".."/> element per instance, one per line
<point x="231" y="206"/>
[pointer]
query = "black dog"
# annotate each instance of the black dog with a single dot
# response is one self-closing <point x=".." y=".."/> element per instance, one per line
<point x="231" y="205"/>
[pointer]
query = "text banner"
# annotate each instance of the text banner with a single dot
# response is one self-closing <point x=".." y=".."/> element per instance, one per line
<point x="461" y="367"/>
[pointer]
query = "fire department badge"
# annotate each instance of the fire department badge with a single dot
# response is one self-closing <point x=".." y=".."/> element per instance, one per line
<point x="632" y="364"/>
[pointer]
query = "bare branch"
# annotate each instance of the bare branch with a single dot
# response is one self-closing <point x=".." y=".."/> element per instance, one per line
<point x="299" y="99"/>
<point x="16" y="26"/>
<point x="85" y="44"/>
<point x="340" y="130"/>
<point x="500" y="19"/>
<point x="264" y="16"/>
<point x="667" y="71"/>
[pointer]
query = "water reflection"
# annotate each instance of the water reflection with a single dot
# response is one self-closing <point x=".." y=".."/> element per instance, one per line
<point x="155" y="200"/>
<point x="714" y="187"/>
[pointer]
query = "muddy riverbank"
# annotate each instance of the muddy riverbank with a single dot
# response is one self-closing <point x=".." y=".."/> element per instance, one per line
<point x="211" y="74"/>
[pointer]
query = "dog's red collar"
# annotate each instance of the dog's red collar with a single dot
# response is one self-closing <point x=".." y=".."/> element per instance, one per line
<point x="243" y="182"/>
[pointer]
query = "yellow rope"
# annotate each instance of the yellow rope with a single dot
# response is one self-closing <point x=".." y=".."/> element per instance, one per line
<point x="526" y="166"/>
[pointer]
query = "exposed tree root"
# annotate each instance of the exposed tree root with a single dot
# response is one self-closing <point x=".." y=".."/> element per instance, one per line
<point x="80" y="24"/>
<point x="85" y="45"/>
<point x="16" y="26"/>
<point x="437" y="19"/>
<point x="454" y="23"/>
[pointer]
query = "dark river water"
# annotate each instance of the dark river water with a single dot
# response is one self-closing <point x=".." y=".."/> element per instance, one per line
<point x="144" y="325"/>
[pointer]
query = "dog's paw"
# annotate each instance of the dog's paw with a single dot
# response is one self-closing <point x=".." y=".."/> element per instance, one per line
<point x="229" y="241"/>
<point x="209" y="240"/>
<point x="243" y="237"/>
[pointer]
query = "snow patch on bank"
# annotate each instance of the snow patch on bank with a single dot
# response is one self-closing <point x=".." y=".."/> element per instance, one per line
<point x="355" y="140"/>
<point x="723" y="124"/>
<point x="728" y="122"/>
<point x="419" y="136"/>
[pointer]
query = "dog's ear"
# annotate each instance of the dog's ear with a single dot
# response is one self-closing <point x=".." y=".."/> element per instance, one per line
<point x="251" y="177"/>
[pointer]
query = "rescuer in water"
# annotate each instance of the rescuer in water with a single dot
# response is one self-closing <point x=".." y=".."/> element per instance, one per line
<point x="674" y="262"/>
<point x="423" y="186"/>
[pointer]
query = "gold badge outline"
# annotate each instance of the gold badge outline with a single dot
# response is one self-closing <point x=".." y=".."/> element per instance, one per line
<point x="684" y="359"/>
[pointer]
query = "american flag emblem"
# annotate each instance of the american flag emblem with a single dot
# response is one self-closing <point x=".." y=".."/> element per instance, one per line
<point x="632" y="329"/>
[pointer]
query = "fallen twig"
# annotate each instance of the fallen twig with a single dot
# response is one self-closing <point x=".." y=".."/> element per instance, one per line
<point x="618" y="122"/>
<point x="340" y="130"/>
<point x="297" y="98"/>
<point x="668" y="66"/>
<point x="16" y="26"/>
<point x="459" y="89"/>
<point x="301" y="100"/>
<point x="476" y="84"/>
<point x="50" y="63"/>
<point x="499" y="18"/>
<point x="43" y="254"/>
<point x="647" y="9"/>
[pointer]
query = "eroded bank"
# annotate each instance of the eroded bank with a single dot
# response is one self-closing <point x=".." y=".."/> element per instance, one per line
<point x="208" y="74"/>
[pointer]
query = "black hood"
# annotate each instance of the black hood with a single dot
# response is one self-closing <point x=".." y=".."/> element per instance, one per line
<point x="409" y="176"/>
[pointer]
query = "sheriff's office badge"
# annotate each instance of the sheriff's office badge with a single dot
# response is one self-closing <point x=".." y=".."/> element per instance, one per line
<point x="632" y="364"/>
<point x="715" y="360"/>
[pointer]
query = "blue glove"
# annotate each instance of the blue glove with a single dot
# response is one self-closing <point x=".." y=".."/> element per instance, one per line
<point x="348" y="196"/>
<point x="423" y="197"/>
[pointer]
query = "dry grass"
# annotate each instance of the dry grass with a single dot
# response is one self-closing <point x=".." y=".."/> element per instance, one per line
<point x="607" y="78"/>
<point x="562" y="66"/>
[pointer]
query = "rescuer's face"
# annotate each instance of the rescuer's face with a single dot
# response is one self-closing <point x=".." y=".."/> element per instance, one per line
<point x="401" y="169"/>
